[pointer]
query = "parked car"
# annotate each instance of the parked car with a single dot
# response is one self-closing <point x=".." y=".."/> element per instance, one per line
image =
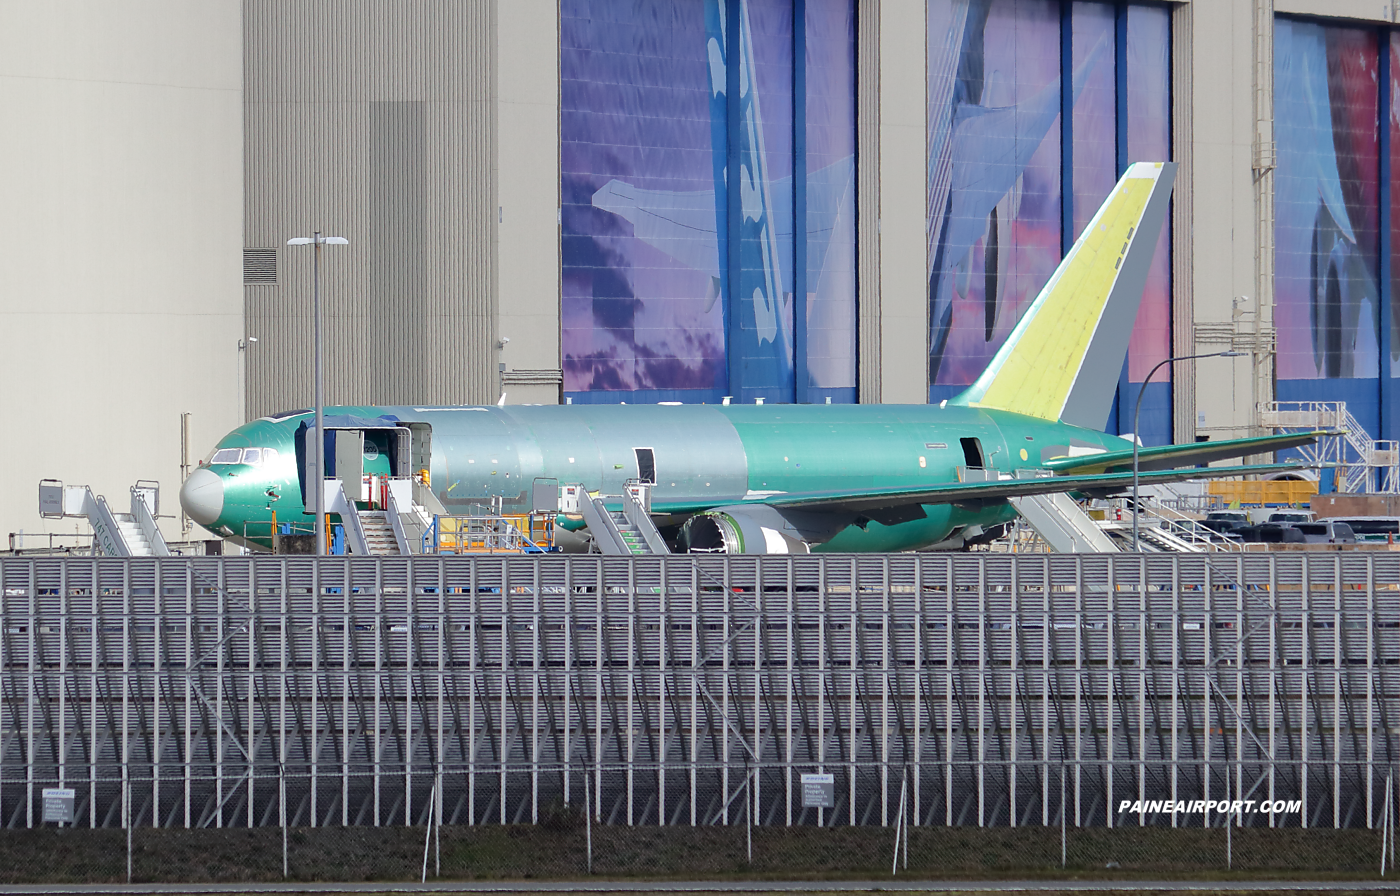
<point x="1225" y="521"/>
<point x="1291" y="516"/>
<point x="1373" y="529"/>
<point x="1270" y="533"/>
<point x="1326" y="532"/>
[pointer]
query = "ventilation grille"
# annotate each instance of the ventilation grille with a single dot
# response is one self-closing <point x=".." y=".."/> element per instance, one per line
<point x="259" y="267"/>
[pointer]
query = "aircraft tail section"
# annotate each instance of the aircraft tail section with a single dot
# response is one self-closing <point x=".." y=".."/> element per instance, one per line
<point x="1062" y="360"/>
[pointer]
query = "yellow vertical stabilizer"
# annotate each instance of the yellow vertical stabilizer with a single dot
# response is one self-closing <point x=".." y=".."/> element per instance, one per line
<point x="1062" y="360"/>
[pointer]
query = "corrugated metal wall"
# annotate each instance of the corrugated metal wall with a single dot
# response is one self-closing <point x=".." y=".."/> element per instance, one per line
<point x="373" y="121"/>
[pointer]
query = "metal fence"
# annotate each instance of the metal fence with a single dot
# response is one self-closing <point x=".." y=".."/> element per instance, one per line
<point x="970" y="689"/>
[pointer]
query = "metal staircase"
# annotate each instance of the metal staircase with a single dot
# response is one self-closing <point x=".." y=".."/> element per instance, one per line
<point x="1062" y="524"/>
<point x="1065" y="528"/>
<point x="132" y="534"/>
<point x="1162" y="529"/>
<point x="628" y="531"/>
<point x="378" y="533"/>
<point x="631" y="536"/>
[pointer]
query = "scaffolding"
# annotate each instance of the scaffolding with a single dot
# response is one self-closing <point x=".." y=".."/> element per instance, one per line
<point x="1363" y="465"/>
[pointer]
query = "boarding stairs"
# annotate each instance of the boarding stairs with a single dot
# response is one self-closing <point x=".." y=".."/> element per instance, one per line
<point x="628" y="531"/>
<point x="1063" y="525"/>
<point x="1163" y="529"/>
<point x="1364" y="465"/>
<point x="1065" y="528"/>
<point x="398" y="512"/>
<point x="115" y="534"/>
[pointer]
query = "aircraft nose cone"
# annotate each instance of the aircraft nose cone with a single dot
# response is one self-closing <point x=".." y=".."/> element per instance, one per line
<point x="202" y="497"/>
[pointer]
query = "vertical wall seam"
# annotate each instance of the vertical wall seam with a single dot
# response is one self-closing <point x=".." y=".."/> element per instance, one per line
<point x="799" y="200"/>
<point x="1183" y="317"/>
<point x="1121" y="161"/>
<point x="1384" y="99"/>
<point x="733" y="195"/>
<point x="868" y="324"/>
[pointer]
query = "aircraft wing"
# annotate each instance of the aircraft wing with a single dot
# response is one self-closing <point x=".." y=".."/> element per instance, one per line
<point x="897" y="504"/>
<point x="1168" y="456"/>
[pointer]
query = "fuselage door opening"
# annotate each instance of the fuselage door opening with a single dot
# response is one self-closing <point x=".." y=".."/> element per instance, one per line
<point x="354" y="454"/>
<point x="973" y="458"/>
<point x="646" y="465"/>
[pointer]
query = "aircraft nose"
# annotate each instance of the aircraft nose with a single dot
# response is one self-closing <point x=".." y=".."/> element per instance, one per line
<point x="202" y="497"/>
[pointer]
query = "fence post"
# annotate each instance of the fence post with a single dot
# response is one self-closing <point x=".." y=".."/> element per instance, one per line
<point x="748" y="812"/>
<point x="428" y="834"/>
<point x="1390" y="808"/>
<point x="126" y="816"/>
<point x="1063" y="844"/>
<point x="908" y="812"/>
<point x="282" y="809"/>
<point x="588" y="820"/>
<point x="899" y="828"/>
<point x="1229" y="834"/>
<point x="1385" y="822"/>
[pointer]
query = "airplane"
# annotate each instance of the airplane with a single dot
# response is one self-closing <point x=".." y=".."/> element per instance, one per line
<point x="771" y="478"/>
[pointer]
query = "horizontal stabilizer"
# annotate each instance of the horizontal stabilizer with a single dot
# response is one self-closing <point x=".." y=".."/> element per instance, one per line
<point x="1166" y="457"/>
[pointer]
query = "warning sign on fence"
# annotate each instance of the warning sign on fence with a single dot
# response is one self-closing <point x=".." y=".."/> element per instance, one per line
<point x="818" y="791"/>
<point x="58" y="804"/>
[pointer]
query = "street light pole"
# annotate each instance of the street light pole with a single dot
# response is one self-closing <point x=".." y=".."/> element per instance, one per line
<point x="1137" y="410"/>
<point x="316" y="241"/>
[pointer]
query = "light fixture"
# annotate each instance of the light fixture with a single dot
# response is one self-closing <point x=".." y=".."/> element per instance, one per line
<point x="317" y="241"/>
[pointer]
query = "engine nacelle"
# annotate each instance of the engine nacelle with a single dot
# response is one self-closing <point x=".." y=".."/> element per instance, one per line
<point x="757" y="529"/>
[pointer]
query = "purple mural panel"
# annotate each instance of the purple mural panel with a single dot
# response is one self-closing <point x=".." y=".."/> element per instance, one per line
<point x="1149" y="140"/>
<point x="1094" y="131"/>
<point x="994" y="174"/>
<point x="1392" y="121"/>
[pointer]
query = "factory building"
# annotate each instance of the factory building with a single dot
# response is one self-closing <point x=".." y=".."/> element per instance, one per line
<point x="671" y="200"/>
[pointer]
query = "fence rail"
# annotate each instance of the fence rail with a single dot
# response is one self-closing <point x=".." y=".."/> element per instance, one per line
<point x="216" y="692"/>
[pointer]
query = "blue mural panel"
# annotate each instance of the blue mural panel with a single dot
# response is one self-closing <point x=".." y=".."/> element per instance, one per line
<point x="830" y="154"/>
<point x="996" y="182"/>
<point x="1327" y="214"/>
<point x="761" y="152"/>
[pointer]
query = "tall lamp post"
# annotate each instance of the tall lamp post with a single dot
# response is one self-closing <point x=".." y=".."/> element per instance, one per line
<point x="316" y="241"/>
<point x="1137" y="410"/>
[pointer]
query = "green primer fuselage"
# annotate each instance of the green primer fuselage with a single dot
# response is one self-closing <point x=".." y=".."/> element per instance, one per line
<point x="706" y="456"/>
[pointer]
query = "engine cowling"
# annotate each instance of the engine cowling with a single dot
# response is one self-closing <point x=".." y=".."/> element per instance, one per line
<point x="757" y="529"/>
